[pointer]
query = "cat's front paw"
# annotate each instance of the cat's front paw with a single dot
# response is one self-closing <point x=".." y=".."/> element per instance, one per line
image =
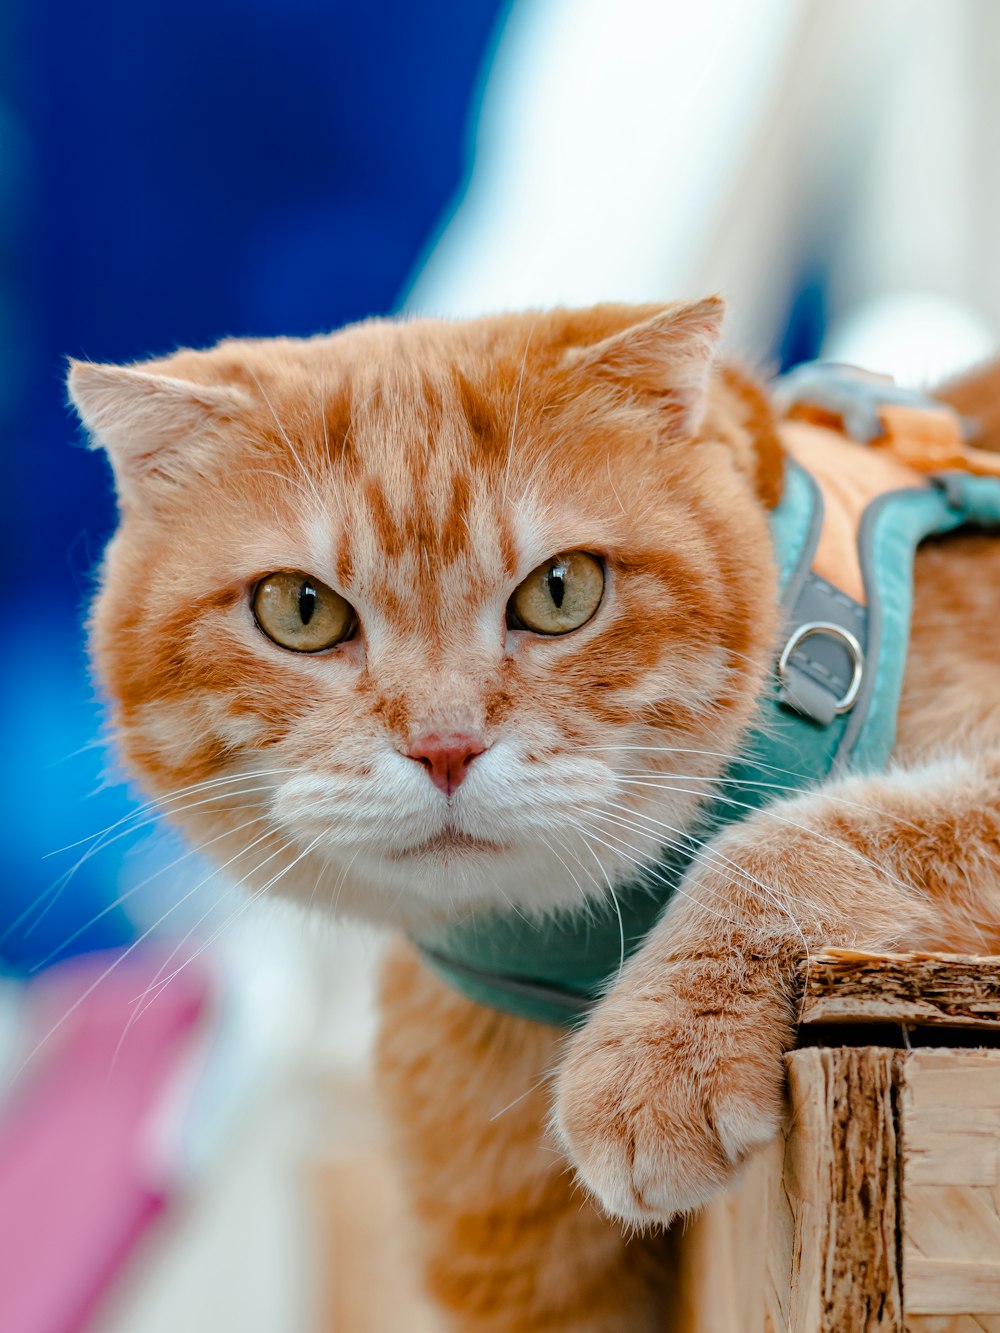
<point x="660" y="1098"/>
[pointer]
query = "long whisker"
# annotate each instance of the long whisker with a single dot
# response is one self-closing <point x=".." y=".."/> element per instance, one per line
<point x="153" y="990"/>
<point x="703" y="848"/>
<point x="547" y="1077"/>
<point x="58" y="887"/>
<point x="193" y="928"/>
<point x="706" y="754"/>
<point x="513" y="906"/>
<point x="770" y="813"/>
<point x="735" y="875"/>
<point x="112" y="967"/>
<point x="204" y="785"/>
<point x="624" y="849"/>
<point x="335" y="892"/>
<point x="796" y="788"/>
<point x="566" y="846"/>
<point x="706" y="851"/>
<point x="585" y="897"/>
<point x="139" y="1008"/>
<point x="130" y="892"/>
<point x="696" y="848"/>
<point x="291" y="447"/>
<point x="158" y="803"/>
<point x="617" y="906"/>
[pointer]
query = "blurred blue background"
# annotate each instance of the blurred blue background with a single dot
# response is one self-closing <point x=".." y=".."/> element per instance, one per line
<point x="171" y="175"/>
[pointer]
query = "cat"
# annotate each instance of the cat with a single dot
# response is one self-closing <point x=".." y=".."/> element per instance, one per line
<point x="437" y="618"/>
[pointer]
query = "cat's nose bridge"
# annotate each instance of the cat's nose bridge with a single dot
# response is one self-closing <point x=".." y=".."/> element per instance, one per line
<point x="431" y="700"/>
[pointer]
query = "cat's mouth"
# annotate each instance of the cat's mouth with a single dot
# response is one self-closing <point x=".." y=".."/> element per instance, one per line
<point x="447" y="843"/>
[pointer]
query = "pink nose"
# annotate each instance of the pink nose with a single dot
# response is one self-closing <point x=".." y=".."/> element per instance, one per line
<point x="447" y="758"/>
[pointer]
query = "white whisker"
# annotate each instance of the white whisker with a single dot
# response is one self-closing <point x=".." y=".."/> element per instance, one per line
<point x="625" y="849"/>
<point x="154" y="988"/>
<point x="291" y="447"/>
<point x="769" y="812"/>
<point x="112" y="967"/>
<point x="737" y="876"/>
<point x="59" y="886"/>
<point x="617" y="906"/>
<point x="122" y="898"/>
<point x="545" y="1078"/>
<point x="204" y="785"/>
<point x="517" y="409"/>
<point x="193" y="928"/>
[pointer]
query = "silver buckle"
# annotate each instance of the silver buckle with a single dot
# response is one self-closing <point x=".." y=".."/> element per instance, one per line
<point x="803" y="632"/>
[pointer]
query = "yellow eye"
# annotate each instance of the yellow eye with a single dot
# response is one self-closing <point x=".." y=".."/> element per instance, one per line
<point x="300" y="613"/>
<point x="560" y="595"/>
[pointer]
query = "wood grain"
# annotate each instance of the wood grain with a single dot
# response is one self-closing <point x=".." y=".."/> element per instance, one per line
<point x="734" y="1257"/>
<point x="807" y="1242"/>
<point x="840" y="1176"/>
<point x="953" y="990"/>
<point x="880" y="1210"/>
<point x="950" y="1113"/>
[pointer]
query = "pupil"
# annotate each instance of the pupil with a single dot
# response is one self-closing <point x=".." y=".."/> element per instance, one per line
<point x="557" y="584"/>
<point x="307" y="603"/>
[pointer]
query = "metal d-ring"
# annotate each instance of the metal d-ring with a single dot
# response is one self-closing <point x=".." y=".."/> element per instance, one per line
<point x="803" y="632"/>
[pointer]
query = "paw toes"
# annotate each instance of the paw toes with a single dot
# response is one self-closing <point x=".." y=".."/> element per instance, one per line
<point x="651" y="1138"/>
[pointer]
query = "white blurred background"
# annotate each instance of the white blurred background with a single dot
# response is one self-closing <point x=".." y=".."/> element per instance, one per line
<point x="831" y="161"/>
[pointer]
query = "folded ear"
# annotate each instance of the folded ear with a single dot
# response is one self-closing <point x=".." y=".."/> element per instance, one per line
<point x="156" y="429"/>
<point x="667" y="357"/>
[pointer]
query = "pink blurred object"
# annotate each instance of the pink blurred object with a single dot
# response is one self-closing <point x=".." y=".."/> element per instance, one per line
<point x="79" y="1184"/>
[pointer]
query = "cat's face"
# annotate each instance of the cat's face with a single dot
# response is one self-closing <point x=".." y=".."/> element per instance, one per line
<point x="418" y="616"/>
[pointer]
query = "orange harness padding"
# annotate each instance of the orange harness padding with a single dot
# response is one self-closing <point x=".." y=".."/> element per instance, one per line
<point x="916" y="442"/>
<point x="927" y="438"/>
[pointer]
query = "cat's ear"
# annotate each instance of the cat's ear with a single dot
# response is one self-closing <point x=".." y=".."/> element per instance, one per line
<point x="666" y="357"/>
<point x="155" y="428"/>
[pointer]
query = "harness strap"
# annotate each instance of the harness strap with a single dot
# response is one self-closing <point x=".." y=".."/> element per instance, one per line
<point x="831" y="705"/>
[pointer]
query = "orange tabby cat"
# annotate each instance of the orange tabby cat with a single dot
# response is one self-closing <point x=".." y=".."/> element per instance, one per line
<point x="324" y="633"/>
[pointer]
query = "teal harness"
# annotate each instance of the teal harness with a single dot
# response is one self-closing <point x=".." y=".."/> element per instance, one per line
<point x="830" y="709"/>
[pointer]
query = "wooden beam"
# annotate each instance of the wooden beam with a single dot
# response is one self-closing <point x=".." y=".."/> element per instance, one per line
<point x="840" y="1178"/>
<point x="951" y="990"/>
<point x="950" y="1113"/>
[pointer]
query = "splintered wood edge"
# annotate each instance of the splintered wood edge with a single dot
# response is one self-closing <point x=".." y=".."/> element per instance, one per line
<point x="936" y="989"/>
<point x="842" y="1182"/>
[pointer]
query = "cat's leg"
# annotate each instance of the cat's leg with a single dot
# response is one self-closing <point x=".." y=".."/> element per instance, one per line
<point x="678" y="1074"/>
<point x="508" y="1241"/>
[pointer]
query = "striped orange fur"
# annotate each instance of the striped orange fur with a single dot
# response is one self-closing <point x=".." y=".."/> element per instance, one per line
<point x="421" y="470"/>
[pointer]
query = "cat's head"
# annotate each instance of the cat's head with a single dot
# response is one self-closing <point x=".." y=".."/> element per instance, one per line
<point x="425" y="615"/>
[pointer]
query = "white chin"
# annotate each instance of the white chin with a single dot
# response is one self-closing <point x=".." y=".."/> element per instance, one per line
<point x="406" y="887"/>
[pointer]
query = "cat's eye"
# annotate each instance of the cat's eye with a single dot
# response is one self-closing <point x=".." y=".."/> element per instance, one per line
<point x="298" y="612"/>
<point x="558" y="596"/>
